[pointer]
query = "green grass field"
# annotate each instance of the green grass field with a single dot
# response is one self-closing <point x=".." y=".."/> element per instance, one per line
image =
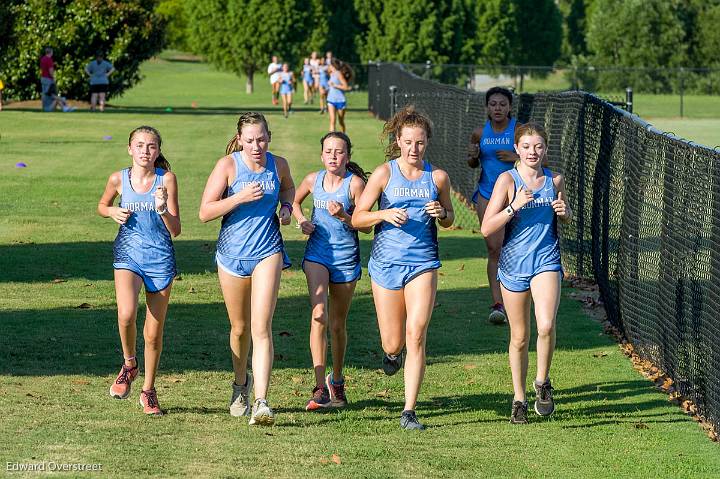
<point x="57" y="359"/>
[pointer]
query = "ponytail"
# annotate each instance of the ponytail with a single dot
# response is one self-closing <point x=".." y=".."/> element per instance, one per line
<point x="356" y="170"/>
<point x="233" y="146"/>
<point x="345" y="69"/>
<point x="160" y="161"/>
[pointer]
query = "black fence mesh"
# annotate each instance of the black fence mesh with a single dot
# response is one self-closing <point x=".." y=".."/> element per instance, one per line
<point x="647" y="214"/>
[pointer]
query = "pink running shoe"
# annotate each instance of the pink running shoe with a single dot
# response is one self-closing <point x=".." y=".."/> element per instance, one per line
<point x="320" y="399"/>
<point x="121" y="387"/>
<point x="149" y="402"/>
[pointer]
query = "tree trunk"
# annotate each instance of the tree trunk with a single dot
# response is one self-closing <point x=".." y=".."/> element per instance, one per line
<point x="249" y="86"/>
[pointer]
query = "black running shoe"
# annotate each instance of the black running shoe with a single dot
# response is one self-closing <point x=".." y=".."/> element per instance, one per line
<point x="392" y="363"/>
<point x="409" y="420"/>
<point x="519" y="412"/>
<point x="544" y="404"/>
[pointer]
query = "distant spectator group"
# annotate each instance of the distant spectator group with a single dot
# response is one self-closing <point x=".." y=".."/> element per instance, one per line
<point x="99" y="71"/>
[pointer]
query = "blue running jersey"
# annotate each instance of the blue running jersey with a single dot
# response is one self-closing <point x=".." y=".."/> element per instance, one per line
<point x="333" y="242"/>
<point x="307" y="74"/>
<point x="335" y="95"/>
<point x="323" y="69"/>
<point x="531" y="240"/>
<point x="285" y="85"/>
<point x="252" y="230"/>
<point x="144" y="240"/>
<point x="415" y="242"/>
<point x="492" y="167"/>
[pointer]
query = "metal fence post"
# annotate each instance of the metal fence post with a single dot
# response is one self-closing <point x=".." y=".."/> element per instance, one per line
<point x="629" y="100"/>
<point x="393" y="100"/>
<point x="682" y="91"/>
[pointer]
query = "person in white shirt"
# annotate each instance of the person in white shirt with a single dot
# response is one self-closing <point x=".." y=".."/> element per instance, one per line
<point x="274" y="70"/>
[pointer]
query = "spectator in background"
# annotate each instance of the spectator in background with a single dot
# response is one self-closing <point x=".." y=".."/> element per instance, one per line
<point x="47" y="79"/>
<point x="99" y="71"/>
<point x="56" y="100"/>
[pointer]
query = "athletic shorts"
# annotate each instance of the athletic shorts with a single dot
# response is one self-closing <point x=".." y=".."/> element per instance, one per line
<point x="337" y="275"/>
<point x="521" y="282"/>
<point x="397" y="276"/>
<point x="243" y="268"/>
<point x="339" y="105"/>
<point x="479" y="192"/>
<point x="154" y="283"/>
<point x="100" y="88"/>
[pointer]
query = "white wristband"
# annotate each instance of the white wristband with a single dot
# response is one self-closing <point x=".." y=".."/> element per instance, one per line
<point x="161" y="213"/>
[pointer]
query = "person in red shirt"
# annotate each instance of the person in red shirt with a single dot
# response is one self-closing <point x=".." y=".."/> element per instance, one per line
<point x="47" y="79"/>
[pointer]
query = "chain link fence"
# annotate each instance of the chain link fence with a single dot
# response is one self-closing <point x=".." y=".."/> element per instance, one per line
<point x="647" y="214"/>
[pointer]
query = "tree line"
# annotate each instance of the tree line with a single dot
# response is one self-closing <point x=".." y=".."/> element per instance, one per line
<point x="240" y="36"/>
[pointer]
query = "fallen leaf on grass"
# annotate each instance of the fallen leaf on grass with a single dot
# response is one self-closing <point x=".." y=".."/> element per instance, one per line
<point x="462" y="267"/>
<point x="84" y="306"/>
<point x="641" y="425"/>
<point x="191" y="290"/>
<point x="600" y="355"/>
<point x="336" y="459"/>
<point x="470" y="366"/>
<point x="80" y="381"/>
<point x="385" y="393"/>
<point x="59" y="280"/>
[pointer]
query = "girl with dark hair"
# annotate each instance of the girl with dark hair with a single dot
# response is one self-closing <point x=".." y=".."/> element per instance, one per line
<point x="491" y="148"/>
<point x="414" y="197"/>
<point x="340" y="74"/>
<point x="526" y="202"/>
<point x="332" y="260"/>
<point x="148" y="215"/>
<point x="245" y="188"/>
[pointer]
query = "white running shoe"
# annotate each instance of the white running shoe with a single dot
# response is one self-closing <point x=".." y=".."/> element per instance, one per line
<point x="240" y="400"/>
<point x="262" y="415"/>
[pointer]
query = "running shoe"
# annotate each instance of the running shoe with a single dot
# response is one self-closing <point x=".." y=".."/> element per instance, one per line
<point x="544" y="404"/>
<point x="149" y="403"/>
<point x="240" y="400"/>
<point x="337" y="392"/>
<point x="320" y="399"/>
<point x="497" y="314"/>
<point x="262" y="415"/>
<point x="408" y="420"/>
<point x="391" y="363"/>
<point x="519" y="412"/>
<point x="120" y="389"/>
